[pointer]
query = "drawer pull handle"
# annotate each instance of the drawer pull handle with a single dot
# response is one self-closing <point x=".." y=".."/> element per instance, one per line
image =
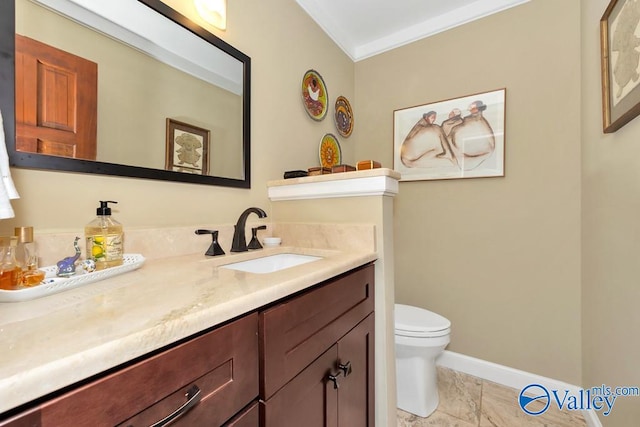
<point x="334" y="379"/>
<point x="346" y="368"/>
<point x="193" y="397"/>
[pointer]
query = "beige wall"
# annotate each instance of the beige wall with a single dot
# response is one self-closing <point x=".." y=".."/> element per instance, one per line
<point x="610" y="236"/>
<point x="283" y="43"/>
<point x="499" y="257"/>
<point x="536" y="270"/>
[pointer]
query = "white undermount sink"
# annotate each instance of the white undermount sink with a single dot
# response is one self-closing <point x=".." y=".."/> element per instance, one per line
<point x="271" y="263"/>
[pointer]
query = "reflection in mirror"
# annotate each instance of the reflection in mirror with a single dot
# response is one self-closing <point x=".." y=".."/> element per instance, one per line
<point x="146" y="71"/>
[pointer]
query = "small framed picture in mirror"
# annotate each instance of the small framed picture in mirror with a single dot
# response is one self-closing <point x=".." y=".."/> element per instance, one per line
<point x="187" y="148"/>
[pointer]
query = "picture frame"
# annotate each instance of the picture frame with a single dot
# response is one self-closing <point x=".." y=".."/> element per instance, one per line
<point x="460" y="137"/>
<point x="620" y="60"/>
<point x="187" y="148"/>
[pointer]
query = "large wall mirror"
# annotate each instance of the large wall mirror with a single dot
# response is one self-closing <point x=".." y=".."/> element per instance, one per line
<point x="160" y="97"/>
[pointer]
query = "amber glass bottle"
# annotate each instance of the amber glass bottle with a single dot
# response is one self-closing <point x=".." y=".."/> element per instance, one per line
<point x="27" y="257"/>
<point x="9" y="268"/>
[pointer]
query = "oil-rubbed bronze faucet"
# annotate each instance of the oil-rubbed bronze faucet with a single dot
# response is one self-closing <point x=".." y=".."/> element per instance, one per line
<point x="239" y="243"/>
<point x="214" y="249"/>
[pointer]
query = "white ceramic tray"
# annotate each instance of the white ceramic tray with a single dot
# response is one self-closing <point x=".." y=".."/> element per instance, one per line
<point x="54" y="284"/>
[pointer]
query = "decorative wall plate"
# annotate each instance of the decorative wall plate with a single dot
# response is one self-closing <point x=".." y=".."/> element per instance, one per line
<point x="330" y="153"/>
<point x="343" y="116"/>
<point x="314" y="95"/>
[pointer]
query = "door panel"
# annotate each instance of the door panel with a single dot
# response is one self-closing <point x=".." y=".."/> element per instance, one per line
<point x="356" y="392"/>
<point x="309" y="400"/>
<point x="56" y="101"/>
<point x="295" y="332"/>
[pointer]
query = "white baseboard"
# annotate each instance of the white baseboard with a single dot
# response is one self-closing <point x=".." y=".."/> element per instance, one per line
<point x="507" y="376"/>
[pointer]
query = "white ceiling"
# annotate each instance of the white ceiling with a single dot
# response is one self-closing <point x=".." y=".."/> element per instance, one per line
<point x="364" y="28"/>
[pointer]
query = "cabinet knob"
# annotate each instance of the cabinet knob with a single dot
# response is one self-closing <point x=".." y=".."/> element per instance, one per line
<point x="346" y="368"/>
<point x="334" y="378"/>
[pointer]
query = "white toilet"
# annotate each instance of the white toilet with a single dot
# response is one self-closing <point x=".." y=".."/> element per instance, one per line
<point x="421" y="336"/>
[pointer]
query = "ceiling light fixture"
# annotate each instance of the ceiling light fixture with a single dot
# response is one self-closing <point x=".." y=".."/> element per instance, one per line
<point x="213" y="11"/>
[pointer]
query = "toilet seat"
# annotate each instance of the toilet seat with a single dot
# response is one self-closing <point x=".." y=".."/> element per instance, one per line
<point x="417" y="322"/>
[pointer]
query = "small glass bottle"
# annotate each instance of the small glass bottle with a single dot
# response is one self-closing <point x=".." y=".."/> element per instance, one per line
<point x="10" y="270"/>
<point x="27" y="257"/>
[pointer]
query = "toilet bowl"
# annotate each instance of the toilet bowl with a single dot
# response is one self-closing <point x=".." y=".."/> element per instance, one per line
<point x="420" y="337"/>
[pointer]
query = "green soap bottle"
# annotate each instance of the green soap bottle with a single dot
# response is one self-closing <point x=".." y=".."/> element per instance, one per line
<point x="105" y="238"/>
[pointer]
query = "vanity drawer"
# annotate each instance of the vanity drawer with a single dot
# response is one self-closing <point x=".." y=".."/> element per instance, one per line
<point x="295" y="332"/>
<point x="222" y="364"/>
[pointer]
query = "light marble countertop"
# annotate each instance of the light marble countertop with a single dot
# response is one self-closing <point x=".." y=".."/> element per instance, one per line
<point x="55" y="341"/>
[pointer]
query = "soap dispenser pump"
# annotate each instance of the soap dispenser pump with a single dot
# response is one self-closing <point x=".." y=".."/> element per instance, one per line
<point x="104" y="238"/>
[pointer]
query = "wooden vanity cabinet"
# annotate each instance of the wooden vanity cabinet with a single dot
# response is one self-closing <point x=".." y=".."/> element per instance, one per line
<point x="304" y="361"/>
<point x="317" y="355"/>
<point x="218" y="371"/>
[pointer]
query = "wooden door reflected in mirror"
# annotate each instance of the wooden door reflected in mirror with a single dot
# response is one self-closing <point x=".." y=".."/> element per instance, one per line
<point x="56" y="101"/>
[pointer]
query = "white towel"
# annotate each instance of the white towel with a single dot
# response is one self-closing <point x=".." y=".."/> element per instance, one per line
<point x="7" y="188"/>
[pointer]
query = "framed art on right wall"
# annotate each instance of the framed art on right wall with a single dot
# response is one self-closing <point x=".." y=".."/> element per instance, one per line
<point x="620" y="63"/>
<point x="455" y="138"/>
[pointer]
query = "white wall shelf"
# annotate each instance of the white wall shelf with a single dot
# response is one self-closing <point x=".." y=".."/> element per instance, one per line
<point x="371" y="182"/>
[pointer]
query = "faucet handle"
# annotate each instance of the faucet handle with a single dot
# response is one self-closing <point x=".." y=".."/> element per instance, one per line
<point x="255" y="243"/>
<point x="215" y="248"/>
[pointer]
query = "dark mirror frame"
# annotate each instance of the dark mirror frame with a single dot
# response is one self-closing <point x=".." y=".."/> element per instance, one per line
<point x="44" y="162"/>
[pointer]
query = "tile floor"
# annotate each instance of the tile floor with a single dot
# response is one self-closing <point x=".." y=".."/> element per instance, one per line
<point x="467" y="401"/>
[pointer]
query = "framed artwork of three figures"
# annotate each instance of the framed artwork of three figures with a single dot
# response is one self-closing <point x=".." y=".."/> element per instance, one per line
<point x="455" y="138"/>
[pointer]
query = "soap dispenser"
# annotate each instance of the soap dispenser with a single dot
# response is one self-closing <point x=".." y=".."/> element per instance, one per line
<point x="105" y="238"/>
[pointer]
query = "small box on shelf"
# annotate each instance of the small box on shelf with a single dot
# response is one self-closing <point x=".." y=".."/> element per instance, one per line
<point x="342" y="168"/>
<point x="319" y="171"/>
<point x="367" y="164"/>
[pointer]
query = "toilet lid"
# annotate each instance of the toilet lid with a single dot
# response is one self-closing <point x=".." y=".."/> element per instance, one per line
<point x="418" y="321"/>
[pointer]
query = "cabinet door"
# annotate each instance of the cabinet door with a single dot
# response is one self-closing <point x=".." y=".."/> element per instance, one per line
<point x="314" y="399"/>
<point x="309" y="400"/>
<point x="249" y="417"/>
<point x="296" y="331"/>
<point x="356" y="391"/>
